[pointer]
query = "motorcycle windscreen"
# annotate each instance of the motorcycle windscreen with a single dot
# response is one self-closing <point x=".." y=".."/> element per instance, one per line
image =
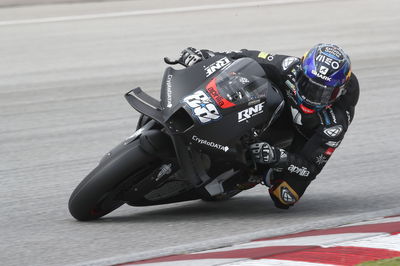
<point x="239" y="83"/>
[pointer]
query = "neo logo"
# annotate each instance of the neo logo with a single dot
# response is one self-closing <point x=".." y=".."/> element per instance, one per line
<point x="327" y="60"/>
<point x="250" y="112"/>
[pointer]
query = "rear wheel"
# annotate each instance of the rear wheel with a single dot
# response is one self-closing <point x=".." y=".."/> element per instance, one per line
<point x="99" y="193"/>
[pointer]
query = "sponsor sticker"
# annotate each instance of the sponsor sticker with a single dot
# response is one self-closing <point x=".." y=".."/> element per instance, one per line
<point x="219" y="64"/>
<point x="202" y="107"/>
<point x="165" y="169"/>
<point x="303" y="171"/>
<point x="321" y="76"/>
<point x="169" y="91"/>
<point x="333" y="131"/>
<point x="323" y="70"/>
<point x="250" y="112"/>
<point x="263" y="55"/>
<point x="333" y="144"/>
<point x="287" y="196"/>
<point x="335" y="52"/>
<point x="210" y="143"/>
<point x="329" y="151"/>
<point x="327" y="60"/>
<point x="321" y="159"/>
<point x="285" y="193"/>
<point x="213" y="91"/>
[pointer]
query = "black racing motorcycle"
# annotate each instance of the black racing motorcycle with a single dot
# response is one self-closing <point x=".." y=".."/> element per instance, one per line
<point x="190" y="145"/>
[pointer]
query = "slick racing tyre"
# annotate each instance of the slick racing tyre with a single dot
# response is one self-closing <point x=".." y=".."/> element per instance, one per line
<point x="100" y="192"/>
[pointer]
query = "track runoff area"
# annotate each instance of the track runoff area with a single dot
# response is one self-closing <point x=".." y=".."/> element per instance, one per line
<point x="376" y="240"/>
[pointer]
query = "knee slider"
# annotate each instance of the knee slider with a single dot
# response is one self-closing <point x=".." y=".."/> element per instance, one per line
<point x="283" y="195"/>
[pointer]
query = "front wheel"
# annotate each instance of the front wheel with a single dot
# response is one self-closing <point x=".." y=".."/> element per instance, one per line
<point x="99" y="193"/>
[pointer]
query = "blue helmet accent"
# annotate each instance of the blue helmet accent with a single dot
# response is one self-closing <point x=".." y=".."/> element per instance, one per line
<point x="325" y="70"/>
<point x="327" y="64"/>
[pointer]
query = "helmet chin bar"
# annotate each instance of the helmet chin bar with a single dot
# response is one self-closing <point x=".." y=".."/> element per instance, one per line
<point x="312" y="93"/>
<point x="301" y="101"/>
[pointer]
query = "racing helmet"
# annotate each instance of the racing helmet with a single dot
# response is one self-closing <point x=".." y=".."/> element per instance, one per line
<point x="325" y="70"/>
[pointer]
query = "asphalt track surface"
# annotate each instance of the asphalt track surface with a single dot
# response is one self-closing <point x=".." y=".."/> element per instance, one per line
<point x="61" y="103"/>
<point x="13" y="3"/>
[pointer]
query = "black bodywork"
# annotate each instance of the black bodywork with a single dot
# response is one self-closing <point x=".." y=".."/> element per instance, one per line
<point x="207" y="116"/>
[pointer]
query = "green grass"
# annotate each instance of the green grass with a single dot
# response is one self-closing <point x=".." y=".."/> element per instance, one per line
<point x="387" y="262"/>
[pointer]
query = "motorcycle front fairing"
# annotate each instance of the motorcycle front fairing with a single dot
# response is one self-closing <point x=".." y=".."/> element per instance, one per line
<point x="207" y="108"/>
<point x="176" y="84"/>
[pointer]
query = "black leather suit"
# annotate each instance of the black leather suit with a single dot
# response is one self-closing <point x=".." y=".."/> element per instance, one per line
<point x="316" y="135"/>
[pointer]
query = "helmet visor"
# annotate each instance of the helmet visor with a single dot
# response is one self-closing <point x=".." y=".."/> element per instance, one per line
<point x="314" y="93"/>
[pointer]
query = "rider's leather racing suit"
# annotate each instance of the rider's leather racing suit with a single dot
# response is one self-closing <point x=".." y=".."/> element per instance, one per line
<point x="316" y="134"/>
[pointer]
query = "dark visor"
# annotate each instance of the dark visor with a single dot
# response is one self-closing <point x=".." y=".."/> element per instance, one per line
<point x="314" y="93"/>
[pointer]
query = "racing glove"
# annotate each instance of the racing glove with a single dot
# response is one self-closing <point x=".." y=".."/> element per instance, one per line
<point x="263" y="153"/>
<point x="190" y="56"/>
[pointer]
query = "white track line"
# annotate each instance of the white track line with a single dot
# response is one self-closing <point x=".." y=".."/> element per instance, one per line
<point x="152" y="12"/>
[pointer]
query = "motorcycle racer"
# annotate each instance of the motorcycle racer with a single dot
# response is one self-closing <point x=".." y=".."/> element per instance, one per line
<point x="320" y="93"/>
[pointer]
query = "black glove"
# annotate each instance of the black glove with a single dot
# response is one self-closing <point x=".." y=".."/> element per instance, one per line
<point x="190" y="56"/>
<point x="262" y="153"/>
